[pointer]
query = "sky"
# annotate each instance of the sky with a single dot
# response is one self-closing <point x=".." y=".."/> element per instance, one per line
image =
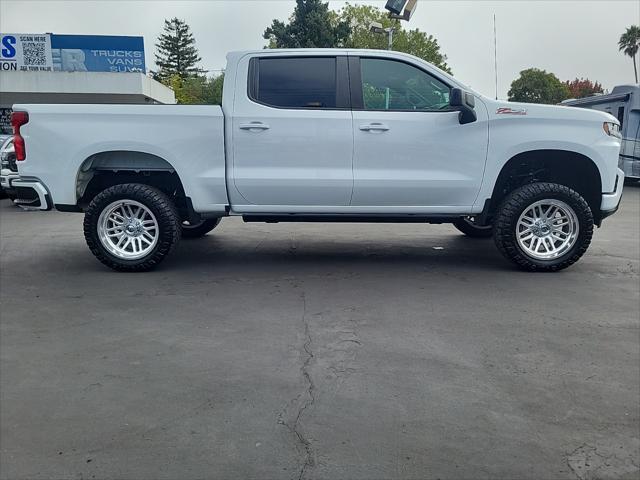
<point x="571" y="38"/>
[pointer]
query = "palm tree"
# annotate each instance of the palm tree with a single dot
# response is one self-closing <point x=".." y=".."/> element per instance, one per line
<point x="629" y="43"/>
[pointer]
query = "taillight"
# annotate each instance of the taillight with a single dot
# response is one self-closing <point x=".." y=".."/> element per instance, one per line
<point x="17" y="120"/>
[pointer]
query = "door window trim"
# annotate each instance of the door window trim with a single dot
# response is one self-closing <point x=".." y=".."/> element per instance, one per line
<point x="357" y="96"/>
<point x="343" y="93"/>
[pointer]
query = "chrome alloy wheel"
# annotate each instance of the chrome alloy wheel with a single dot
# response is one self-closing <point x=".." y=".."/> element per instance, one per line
<point x="547" y="229"/>
<point x="128" y="229"/>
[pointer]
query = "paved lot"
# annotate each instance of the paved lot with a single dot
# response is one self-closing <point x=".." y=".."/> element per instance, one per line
<point x="321" y="351"/>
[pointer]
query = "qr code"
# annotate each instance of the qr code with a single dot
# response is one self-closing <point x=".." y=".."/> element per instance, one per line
<point x="34" y="53"/>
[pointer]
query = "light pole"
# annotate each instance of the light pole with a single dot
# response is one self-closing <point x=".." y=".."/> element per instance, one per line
<point x="376" y="27"/>
<point x="401" y="10"/>
<point x="389" y="37"/>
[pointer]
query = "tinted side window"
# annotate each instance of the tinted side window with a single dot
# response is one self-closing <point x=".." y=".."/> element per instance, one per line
<point x="621" y="115"/>
<point x="393" y="85"/>
<point x="297" y="82"/>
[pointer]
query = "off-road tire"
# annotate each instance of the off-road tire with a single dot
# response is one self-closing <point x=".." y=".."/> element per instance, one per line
<point x="470" y="229"/>
<point x="505" y="225"/>
<point x="160" y="204"/>
<point x="200" y="229"/>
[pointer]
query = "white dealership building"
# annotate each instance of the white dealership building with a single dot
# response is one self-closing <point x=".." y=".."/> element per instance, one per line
<point x="50" y="68"/>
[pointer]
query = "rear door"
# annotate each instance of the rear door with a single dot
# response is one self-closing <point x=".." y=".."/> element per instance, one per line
<point x="292" y="134"/>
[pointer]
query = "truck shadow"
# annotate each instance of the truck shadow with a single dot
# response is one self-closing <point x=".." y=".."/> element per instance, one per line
<point x="454" y="253"/>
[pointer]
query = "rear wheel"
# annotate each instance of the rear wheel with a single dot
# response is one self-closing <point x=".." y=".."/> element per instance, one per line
<point x="199" y="229"/>
<point x="543" y="227"/>
<point x="131" y="227"/>
<point x="468" y="226"/>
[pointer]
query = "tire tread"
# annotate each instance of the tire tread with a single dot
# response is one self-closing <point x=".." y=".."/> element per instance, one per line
<point x="510" y="210"/>
<point x="165" y="211"/>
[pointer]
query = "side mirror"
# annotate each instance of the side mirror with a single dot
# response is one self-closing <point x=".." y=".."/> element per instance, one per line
<point x="465" y="103"/>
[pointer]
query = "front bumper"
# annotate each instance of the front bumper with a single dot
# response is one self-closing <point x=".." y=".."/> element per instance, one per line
<point x="31" y="194"/>
<point x="611" y="201"/>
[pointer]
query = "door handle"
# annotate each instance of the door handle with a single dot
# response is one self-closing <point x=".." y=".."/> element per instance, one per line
<point x="254" y="126"/>
<point x="375" y="127"/>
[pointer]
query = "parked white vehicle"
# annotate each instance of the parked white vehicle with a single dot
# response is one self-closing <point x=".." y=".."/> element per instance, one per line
<point x="8" y="167"/>
<point x="325" y="135"/>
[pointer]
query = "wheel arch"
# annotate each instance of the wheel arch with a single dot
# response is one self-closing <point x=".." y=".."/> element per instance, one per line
<point x="107" y="168"/>
<point x="572" y="169"/>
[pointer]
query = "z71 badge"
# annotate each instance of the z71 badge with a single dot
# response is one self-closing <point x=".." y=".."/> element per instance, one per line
<point x="511" y="111"/>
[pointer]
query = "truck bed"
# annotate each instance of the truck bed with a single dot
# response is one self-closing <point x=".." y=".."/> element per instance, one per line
<point x="69" y="138"/>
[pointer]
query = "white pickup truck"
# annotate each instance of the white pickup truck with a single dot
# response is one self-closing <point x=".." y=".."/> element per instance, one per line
<point x="324" y="135"/>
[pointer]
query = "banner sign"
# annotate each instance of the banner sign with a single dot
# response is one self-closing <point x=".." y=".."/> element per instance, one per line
<point x="71" y="53"/>
<point x="97" y="53"/>
<point x="25" y="52"/>
<point x="5" y="121"/>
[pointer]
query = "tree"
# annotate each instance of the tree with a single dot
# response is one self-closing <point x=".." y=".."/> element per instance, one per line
<point x="176" y="51"/>
<point x="196" y="89"/>
<point x="583" y="87"/>
<point x="212" y="94"/>
<point x="414" y="42"/>
<point x="312" y="25"/>
<point x="629" y="44"/>
<point x="538" y="86"/>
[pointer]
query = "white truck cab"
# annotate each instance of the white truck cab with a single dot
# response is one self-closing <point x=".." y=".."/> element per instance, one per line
<point x="325" y="135"/>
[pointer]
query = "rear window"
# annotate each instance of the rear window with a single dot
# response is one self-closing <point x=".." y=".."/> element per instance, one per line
<point x="296" y="82"/>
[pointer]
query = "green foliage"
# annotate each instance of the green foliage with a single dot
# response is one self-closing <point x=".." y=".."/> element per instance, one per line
<point x="312" y="25"/>
<point x="374" y="98"/>
<point x="538" y="86"/>
<point x="583" y="87"/>
<point x="414" y="42"/>
<point x="196" y="89"/>
<point x="629" y="44"/>
<point x="176" y="52"/>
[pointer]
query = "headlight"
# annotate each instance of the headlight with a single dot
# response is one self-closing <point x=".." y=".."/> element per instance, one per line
<point x="612" y="129"/>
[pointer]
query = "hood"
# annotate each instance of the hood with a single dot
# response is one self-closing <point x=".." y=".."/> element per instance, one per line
<point x="498" y="110"/>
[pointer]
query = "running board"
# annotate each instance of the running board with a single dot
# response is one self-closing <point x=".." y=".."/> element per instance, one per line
<point x="305" y="217"/>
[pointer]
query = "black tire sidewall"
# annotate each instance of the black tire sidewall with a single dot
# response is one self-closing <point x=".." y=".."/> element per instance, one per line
<point x="201" y="229"/>
<point x="468" y="228"/>
<point x="161" y="207"/>
<point x="518" y="201"/>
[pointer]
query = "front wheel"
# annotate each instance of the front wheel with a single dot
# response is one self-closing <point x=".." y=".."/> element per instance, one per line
<point x="131" y="227"/>
<point x="543" y="227"/>
<point x="470" y="228"/>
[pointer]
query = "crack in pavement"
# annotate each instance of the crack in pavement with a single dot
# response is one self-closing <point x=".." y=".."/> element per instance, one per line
<point x="587" y="463"/>
<point x="328" y="346"/>
<point x="294" y="427"/>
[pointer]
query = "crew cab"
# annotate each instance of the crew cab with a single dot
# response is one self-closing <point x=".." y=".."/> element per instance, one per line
<point x="331" y="135"/>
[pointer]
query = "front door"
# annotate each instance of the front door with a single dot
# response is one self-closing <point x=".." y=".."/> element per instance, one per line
<point x="410" y="151"/>
<point x="292" y="134"/>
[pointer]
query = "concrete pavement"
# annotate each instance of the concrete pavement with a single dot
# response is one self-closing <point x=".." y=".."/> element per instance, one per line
<point x="317" y="351"/>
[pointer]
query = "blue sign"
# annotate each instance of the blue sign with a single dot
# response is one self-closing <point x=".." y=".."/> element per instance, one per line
<point x="97" y="53"/>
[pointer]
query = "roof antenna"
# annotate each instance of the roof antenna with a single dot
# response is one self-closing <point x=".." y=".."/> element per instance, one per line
<point x="495" y="52"/>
